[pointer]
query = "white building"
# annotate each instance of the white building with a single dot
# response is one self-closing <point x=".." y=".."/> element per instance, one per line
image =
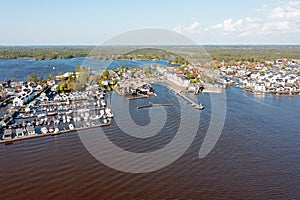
<point x="260" y="87"/>
<point x="24" y="96"/>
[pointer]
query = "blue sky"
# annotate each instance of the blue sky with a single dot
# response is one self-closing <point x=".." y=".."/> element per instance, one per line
<point x="54" y="22"/>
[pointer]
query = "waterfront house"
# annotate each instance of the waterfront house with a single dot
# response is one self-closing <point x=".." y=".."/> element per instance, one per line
<point x="260" y="86"/>
<point x="20" y="132"/>
<point x="38" y="87"/>
<point x="7" y="134"/>
<point x="279" y="88"/>
<point x="24" y="96"/>
<point x="105" y="82"/>
<point x="192" y="88"/>
<point x="30" y="130"/>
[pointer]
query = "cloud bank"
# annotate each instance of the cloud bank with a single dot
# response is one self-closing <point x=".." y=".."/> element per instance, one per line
<point x="275" y="24"/>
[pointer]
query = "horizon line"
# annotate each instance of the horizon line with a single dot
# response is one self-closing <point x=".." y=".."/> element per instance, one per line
<point x="208" y="44"/>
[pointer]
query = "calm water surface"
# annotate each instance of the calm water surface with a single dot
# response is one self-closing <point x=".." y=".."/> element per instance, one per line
<point x="257" y="157"/>
<point x="21" y="68"/>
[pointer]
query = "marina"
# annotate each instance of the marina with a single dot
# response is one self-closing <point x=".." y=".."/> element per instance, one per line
<point x="59" y="114"/>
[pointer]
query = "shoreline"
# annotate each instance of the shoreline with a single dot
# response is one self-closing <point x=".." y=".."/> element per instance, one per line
<point x="11" y="141"/>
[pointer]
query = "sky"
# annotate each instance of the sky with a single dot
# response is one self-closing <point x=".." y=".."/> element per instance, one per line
<point x="90" y="22"/>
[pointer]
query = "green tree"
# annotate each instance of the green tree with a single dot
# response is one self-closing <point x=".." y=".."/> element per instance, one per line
<point x="50" y="77"/>
<point x="81" y="81"/>
<point x="41" y="79"/>
<point x="32" y="78"/>
<point x="105" y="74"/>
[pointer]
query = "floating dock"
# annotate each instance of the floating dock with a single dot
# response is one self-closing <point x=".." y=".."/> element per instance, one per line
<point x="155" y="104"/>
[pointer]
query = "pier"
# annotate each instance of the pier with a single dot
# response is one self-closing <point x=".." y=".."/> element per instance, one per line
<point x="194" y="104"/>
<point x="155" y="104"/>
<point x="138" y="97"/>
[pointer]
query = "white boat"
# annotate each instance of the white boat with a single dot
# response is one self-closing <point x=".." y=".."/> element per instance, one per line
<point x="44" y="130"/>
<point x="51" y="113"/>
<point x="64" y="119"/>
<point x="56" y="130"/>
<point x="103" y="103"/>
<point x="41" y="115"/>
<point x="102" y="113"/>
<point x="69" y="118"/>
<point x="109" y="113"/>
<point x="71" y="127"/>
<point x="69" y="112"/>
<point x="51" y="129"/>
<point x="95" y="117"/>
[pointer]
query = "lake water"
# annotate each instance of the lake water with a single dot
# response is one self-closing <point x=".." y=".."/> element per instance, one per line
<point x="21" y="68"/>
<point x="256" y="157"/>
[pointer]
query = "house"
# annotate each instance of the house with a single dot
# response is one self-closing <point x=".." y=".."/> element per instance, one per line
<point x="105" y="82"/>
<point x="192" y="88"/>
<point x="43" y="97"/>
<point x="24" y="96"/>
<point x="279" y="88"/>
<point x="38" y="87"/>
<point x="6" y="120"/>
<point x="30" y="130"/>
<point x="260" y="87"/>
<point x="7" y="134"/>
<point x="20" y="132"/>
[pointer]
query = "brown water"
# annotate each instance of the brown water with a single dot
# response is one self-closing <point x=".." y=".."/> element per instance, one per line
<point x="257" y="157"/>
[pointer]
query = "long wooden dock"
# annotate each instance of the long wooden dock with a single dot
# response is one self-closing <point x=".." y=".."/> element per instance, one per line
<point x="194" y="104"/>
<point x="154" y="104"/>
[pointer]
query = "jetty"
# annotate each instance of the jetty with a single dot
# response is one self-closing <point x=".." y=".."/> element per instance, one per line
<point x="194" y="104"/>
<point x="138" y="97"/>
<point x="154" y="104"/>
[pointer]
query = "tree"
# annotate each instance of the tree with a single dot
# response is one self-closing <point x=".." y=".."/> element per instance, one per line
<point x="101" y="85"/>
<point x="62" y="87"/>
<point x="105" y="74"/>
<point x="81" y="69"/>
<point x="81" y="81"/>
<point x="32" y="78"/>
<point x="50" y="76"/>
<point x="41" y="79"/>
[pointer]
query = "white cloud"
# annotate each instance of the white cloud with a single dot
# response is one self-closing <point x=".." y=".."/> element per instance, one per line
<point x="290" y="10"/>
<point x="178" y="29"/>
<point x="278" y="20"/>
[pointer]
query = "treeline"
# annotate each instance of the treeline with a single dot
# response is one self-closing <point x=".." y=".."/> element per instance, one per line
<point x="43" y="53"/>
<point x="147" y="54"/>
<point x="255" y="53"/>
<point x="252" y="53"/>
<point x="154" y="54"/>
